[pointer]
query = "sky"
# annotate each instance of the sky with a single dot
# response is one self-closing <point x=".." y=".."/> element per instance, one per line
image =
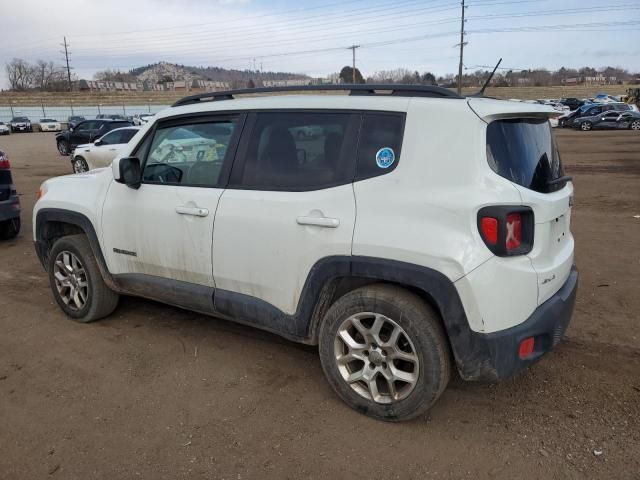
<point x="313" y="36"/>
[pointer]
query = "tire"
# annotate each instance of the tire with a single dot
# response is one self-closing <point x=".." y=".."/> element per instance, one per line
<point x="73" y="256"/>
<point x="420" y="337"/>
<point x="585" y="126"/>
<point x="9" y="229"/>
<point x="79" y="165"/>
<point x="635" y="125"/>
<point x="63" y="148"/>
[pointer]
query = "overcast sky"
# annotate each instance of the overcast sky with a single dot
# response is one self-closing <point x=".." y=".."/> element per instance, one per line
<point x="311" y="36"/>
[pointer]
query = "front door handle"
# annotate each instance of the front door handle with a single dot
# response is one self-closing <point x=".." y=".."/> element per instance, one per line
<point x="195" y="211"/>
<point x="319" y="221"/>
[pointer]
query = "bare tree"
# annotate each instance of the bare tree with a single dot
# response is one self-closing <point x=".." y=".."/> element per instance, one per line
<point x="19" y="73"/>
<point x="46" y="74"/>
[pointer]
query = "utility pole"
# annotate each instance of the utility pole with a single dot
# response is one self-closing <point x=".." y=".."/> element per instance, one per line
<point x="353" y="72"/>
<point x="66" y="57"/>
<point x="462" y="44"/>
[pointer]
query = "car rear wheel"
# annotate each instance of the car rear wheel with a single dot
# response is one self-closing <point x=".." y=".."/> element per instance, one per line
<point x="585" y="126"/>
<point x="384" y="352"/>
<point x="9" y="228"/>
<point x="635" y="125"/>
<point x="63" y="147"/>
<point x="76" y="281"/>
<point x="79" y="165"/>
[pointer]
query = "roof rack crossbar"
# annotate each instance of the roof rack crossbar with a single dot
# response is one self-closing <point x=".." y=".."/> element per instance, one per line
<point x="353" y="89"/>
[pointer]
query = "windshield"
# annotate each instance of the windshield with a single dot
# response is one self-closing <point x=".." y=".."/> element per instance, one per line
<point x="20" y="119"/>
<point x="524" y="151"/>
<point x="47" y="120"/>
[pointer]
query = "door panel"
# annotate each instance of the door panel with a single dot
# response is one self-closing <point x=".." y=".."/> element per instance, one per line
<point x="265" y="243"/>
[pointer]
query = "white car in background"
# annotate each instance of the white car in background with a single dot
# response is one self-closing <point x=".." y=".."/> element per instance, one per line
<point x="101" y="152"/>
<point x="4" y="129"/>
<point x="145" y="118"/>
<point x="50" y="125"/>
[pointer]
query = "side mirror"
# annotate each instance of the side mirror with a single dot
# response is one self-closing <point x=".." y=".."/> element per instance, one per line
<point x="71" y="129"/>
<point x="127" y="170"/>
<point x="97" y="143"/>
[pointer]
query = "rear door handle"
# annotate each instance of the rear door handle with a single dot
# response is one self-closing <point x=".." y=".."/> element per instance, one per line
<point x="195" y="211"/>
<point x="319" y="221"/>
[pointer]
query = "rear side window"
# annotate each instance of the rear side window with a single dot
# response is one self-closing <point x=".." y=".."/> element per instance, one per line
<point x="298" y="151"/>
<point x="380" y="143"/>
<point x="524" y="152"/>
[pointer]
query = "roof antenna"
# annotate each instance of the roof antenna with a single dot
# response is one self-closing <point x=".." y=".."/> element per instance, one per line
<point x="481" y="92"/>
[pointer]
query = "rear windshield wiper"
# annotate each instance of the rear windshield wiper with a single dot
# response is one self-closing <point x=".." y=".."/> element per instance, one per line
<point x="564" y="178"/>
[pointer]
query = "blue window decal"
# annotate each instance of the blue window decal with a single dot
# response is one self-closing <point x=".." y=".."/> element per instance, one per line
<point x="385" y="157"/>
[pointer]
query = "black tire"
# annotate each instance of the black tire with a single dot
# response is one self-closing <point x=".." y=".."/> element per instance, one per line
<point x="585" y="126"/>
<point x="79" y="165"/>
<point x="63" y="148"/>
<point x="101" y="300"/>
<point x="9" y="229"/>
<point x="424" y="331"/>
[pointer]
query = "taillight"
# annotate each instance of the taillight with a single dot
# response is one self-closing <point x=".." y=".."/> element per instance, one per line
<point x="4" y="161"/>
<point x="507" y="230"/>
<point x="514" y="231"/>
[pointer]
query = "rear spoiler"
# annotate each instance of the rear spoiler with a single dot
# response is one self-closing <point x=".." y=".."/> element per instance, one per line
<point x="489" y="109"/>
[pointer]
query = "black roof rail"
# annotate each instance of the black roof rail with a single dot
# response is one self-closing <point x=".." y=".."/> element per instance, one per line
<point x="354" y="89"/>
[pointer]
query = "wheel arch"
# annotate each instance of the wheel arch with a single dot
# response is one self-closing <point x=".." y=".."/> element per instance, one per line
<point x="54" y="223"/>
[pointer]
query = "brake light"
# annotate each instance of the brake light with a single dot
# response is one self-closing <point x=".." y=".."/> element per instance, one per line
<point x="4" y="161"/>
<point x="514" y="231"/>
<point x="507" y="230"/>
<point x="526" y="347"/>
<point x="489" y="226"/>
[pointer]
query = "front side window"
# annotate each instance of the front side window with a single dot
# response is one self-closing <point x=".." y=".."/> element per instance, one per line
<point x="297" y="151"/>
<point x="189" y="154"/>
<point x="524" y="151"/>
<point x="111" y="138"/>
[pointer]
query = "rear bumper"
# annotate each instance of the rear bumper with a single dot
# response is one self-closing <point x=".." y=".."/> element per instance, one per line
<point x="10" y="209"/>
<point x="496" y="356"/>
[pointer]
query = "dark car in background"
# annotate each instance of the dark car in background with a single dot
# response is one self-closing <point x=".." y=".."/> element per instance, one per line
<point x="9" y="201"/>
<point x="610" y="119"/>
<point x="590" y="110"/>
<point x="86" y="132"/>
<point x="572" y="103"/>
<point x="74" y="120"/>
<point x="21" y="124"/>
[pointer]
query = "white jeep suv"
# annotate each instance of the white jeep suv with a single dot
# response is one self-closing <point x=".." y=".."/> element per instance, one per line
<point x="405" y="230"/>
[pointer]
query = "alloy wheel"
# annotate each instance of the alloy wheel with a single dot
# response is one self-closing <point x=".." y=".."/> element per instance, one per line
<point x="71" y="280"/>
<point x="376" y="357"/>
<point x="80" y="166"/>
<point x="586" y="126"/>
<point x="635" y="125"/>
<point x="62" y="148"/>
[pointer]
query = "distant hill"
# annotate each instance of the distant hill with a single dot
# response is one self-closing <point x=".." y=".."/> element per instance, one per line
<point x="164" y="71"/>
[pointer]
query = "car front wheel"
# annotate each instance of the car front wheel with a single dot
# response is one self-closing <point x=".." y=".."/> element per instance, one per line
<point x="79" y="165"/>
<point x="635" y="125"/>
<point x="63" y="147"/>
<point x="585" y="126"/>
<point x="76" y="282"/>
<point x="384" y="352"/>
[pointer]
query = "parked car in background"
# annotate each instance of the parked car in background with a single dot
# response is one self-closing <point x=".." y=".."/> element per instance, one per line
<point x="101" y="152"/>
<point x="589" y="110"/>
<point x="572" y="102"/>
<point x="49" y="125"/>
<point x="73" y="120"/>
<point x="86" y="132"/>
<point x="111" y="116"/>
<point x="4" y="129"/>
<point x="21" y="124"/>
<point x="9" y="201"/>
<point x="143" y="118"/>
<point x="609" y="119"/>
<point x="605" y="98"/>
<point x="629" y="120"/>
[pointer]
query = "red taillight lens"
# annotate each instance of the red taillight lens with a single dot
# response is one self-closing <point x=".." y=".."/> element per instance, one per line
<point x="489" y="227"/>
<point x="514" y="231"/>
<point x="4" y="162"/>
<point x="526" y="347"/>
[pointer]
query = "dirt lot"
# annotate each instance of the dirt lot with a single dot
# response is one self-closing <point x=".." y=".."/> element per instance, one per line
<point x="156" y="392"/>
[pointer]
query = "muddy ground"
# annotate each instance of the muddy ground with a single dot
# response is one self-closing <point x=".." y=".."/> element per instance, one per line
<point x="160" y="393"/>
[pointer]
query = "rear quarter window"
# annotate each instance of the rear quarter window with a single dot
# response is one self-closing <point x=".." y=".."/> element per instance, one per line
<point x="524" y="151"/>
<point x="380" y="144"/>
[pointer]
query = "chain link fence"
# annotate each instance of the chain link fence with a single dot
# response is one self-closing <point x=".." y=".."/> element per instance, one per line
<point x="62" y="113"/>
